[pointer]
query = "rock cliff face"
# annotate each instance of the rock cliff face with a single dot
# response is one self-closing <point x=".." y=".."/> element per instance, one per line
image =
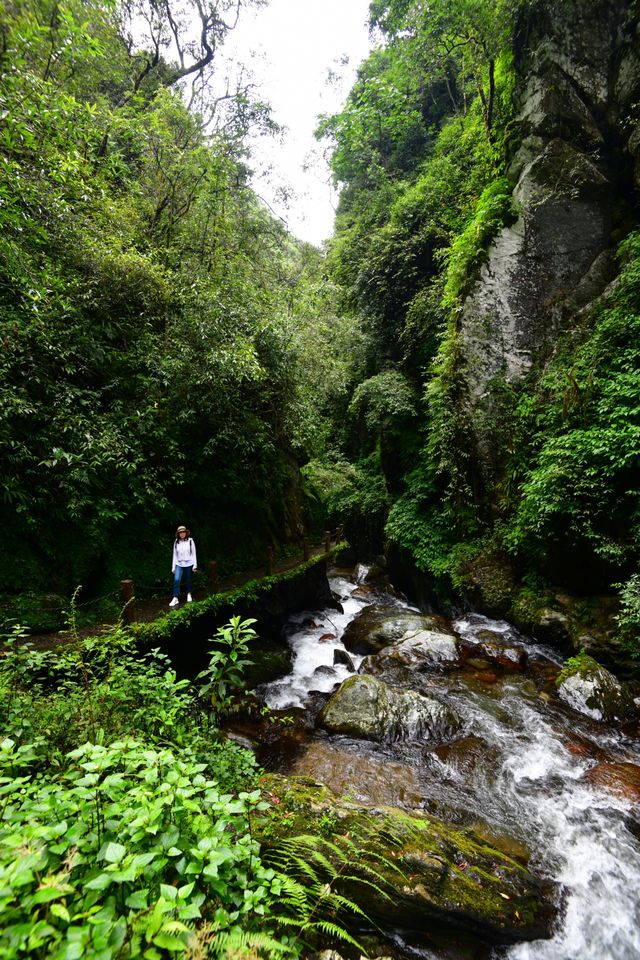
<point x="575" y="173"/>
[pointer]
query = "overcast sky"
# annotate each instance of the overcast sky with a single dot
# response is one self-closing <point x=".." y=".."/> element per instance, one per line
<point x="291" y="45"/>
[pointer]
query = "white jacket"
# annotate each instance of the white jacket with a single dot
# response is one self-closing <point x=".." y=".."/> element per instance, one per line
<point x="184" y="554"/>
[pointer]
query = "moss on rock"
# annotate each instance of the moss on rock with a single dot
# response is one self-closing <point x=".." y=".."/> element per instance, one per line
<point x="431" y="872"/>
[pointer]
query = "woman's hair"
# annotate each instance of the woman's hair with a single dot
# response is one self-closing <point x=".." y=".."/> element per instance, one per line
<point x="181" y="527"/>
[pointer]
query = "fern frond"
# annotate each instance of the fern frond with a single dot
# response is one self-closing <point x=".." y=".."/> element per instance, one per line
<point x="238" y="944"/>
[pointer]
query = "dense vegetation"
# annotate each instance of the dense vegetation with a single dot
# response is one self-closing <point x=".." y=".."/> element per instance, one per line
<point x="168" y="350"/>
<point x="170" y="353"/>
<point x="422" y="151"/>
<point x="419" y="151"/>
<point x="130" y="823"/>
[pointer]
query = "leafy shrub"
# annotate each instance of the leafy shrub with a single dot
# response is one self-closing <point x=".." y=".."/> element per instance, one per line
<point x="121" y="854"/>
<point x="629" y="617"/>
<point x="224" y="674"/>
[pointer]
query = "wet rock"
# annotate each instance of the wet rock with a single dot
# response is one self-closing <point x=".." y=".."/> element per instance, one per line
<point x="591" y="689"/>
<point x="342" y="658"/>
<point x="364" y="591"/>
<point x="324" y="670"/>
<point x="493" y="648"/>
<point x="553" y="627"/>
<point x="366" y="708"/>
<point x="477" y="663"/>
<point x="620" y="778"/>
<point x="365" y="777"/>
<point x="376" y="627"/>
<point x="431" y="872"/>
<point x="422" y="650"/>
<point x="247" y="743"/>
<point x="485" y="676"/>
<point x="467" y="755"/>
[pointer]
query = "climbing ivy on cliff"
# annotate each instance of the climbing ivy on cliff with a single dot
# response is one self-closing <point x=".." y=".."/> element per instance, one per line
<point x="583" y="427"/>
<point x="419" y="153"/>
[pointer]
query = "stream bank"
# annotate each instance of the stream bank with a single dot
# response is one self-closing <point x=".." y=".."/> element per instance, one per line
<point x="552" y="790"/>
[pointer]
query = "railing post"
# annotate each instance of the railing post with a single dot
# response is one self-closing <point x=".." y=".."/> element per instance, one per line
<point x="327" y="541"/>
<point x="128" y="601"/>
<point x="305" y="548"/>
<point x="338" y="534"/>
<point x="269" y="561"/>
<point x="213" y="575"/>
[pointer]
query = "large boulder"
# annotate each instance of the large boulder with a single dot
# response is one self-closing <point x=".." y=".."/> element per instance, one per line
<point x="377" y="626"/>
<point x="366" y="708"/>
<point x="426" y="872"/>
<point x="422" y="650"/>
<point x="591" y="689"/>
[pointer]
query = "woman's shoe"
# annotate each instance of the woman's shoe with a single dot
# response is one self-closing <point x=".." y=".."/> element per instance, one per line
<point x="189" y="598"/>
<point x="174" y="602"/>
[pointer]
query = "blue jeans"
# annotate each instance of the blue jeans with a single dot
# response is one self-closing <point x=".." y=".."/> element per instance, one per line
<point x="177" y="577"/>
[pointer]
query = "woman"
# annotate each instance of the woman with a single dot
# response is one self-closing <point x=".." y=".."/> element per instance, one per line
<point x="184" y="561"/>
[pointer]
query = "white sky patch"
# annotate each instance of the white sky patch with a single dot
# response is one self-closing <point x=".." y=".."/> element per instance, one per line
<point x="290" y="47"/>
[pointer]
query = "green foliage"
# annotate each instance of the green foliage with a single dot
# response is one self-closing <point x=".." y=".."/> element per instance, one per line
<point x="469" y="249"/>
<point x="353" y="494"/>
<point x="94" y="688"/>
<point x="223" y="677"/>
<point x="117" y="836"/>
<point x="585" y="429"/>
<point x="318" y="871"/>
<point x="115" y="844"/>
<point x="465" y="38"/>
<point x="384" y="397"/>
<point x="419" y="151"/>
<point x="160" y="330"/>
<point x="121" y="853"/>
<point x="629" y="617"/>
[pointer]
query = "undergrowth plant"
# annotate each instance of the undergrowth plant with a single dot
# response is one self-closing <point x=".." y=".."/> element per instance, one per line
<point x="322" y="873"/>
<point x="224" y="675"/>
<point x="126" y="818"/>
<point x="122" y="854"/>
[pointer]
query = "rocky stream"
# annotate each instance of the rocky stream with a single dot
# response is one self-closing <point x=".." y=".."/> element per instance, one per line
<point x="523" y="800"/>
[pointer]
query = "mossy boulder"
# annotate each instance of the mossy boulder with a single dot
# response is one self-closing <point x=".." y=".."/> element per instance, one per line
<point x="368" y="709"/>
<point x="489" y="581"/>
<point x="591" y="689"/>
<point x="428" y="872"/>
<point x="376" y="627"/>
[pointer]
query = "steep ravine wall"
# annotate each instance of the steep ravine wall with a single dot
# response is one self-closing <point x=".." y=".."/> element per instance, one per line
<point x="576" y="174"/>
<point x="574" y="164"/>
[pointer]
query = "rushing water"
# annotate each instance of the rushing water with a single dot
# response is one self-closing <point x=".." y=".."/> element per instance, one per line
<point x="519" y="764"/>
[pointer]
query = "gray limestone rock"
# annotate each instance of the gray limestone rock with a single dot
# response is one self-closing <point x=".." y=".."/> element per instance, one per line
<point x="576" y="118"/>
<point x="366" y="708"/>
